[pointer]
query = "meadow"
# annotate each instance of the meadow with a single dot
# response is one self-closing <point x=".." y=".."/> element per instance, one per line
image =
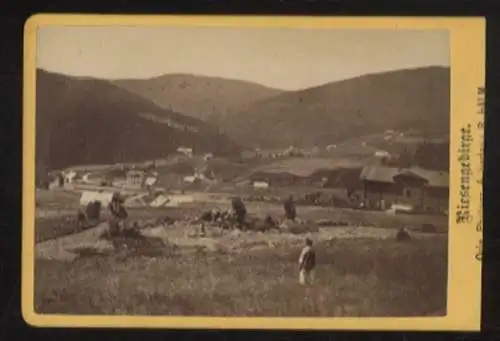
<point x="354" y="277"/>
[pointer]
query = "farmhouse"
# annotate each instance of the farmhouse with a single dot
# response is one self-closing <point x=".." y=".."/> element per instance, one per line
<point x="260" y="184"/>
<point x="331" y="147"/>
<point x="135" y="177"/>
<point x="69" y="176"/>
<point x="185" y="151"/>
<point x="382" y="154"/>
<point x="422" y="189"/>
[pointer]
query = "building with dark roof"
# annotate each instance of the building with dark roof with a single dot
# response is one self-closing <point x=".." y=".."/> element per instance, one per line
<point x="424" y="190"/>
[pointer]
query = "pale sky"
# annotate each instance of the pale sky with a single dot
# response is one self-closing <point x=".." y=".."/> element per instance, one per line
<point x="282" y="58"/>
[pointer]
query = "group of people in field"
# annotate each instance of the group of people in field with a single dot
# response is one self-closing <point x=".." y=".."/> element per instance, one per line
<point x="307" y="258"/>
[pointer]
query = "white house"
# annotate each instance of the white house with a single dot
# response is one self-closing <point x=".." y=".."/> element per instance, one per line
<point x="382" y="154"/>
<point x="69" y="176"/>
<point x="331" y="147"/>
<point x="185" y="151"/>
<point x="261" y="184"/>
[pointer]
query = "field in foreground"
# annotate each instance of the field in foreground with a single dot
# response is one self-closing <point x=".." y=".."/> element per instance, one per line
<point x="354" y="277"/>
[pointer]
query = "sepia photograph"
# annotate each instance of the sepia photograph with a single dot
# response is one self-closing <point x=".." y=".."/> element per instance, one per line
<point x="241" y="171"/>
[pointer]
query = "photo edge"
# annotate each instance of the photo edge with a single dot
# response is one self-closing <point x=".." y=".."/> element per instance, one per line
<point x="34" y="319"/>
<point x="29" y="315"/>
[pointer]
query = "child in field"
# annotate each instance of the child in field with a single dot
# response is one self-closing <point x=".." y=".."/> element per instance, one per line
<point x="307" y="263"/>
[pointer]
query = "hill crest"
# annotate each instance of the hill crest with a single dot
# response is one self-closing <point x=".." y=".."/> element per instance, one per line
<point x="211" y="99"/>
<point x="82" y="120"/>
<point x="417" y="98"/>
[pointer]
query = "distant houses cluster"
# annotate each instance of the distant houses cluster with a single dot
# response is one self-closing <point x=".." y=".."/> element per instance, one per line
<point x="291" y="151"/>
<point x="302" y="152"/>
<point x="132" y="176"/>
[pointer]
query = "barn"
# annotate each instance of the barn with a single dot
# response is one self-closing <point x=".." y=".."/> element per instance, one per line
<point x="422" y="189"/>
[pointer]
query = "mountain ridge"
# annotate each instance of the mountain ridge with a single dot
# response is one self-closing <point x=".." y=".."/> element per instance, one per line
<point x="208" y="98"/>
<point x="86" y="120"/>
<point x="416" y="98"/>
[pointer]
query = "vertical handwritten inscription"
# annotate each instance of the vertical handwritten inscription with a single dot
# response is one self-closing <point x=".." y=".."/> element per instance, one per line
<point x="479" y="181"/>
<point x="463" y="214"/>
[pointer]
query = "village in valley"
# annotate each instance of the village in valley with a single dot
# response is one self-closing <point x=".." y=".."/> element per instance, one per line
<point x="377" y="182"/>
<point x="169" y="196"/>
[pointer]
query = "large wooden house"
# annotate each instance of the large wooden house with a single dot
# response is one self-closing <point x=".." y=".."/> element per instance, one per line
<point x="424" y="190"/>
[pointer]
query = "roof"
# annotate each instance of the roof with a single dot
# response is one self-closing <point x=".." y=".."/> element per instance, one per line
<point x="387" y="175"/>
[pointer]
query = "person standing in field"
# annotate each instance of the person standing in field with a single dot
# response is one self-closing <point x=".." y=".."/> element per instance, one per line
<point x="240" y="211"/>
<point x="290" y="210"/>
<point x="307" y="263"/>
<point x="118" y="214"/>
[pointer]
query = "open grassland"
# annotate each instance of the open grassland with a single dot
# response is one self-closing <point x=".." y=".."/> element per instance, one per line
<point x="356" y="277"/>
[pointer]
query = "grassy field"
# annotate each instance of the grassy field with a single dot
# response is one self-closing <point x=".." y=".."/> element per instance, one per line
<point x="353" y="278"/>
